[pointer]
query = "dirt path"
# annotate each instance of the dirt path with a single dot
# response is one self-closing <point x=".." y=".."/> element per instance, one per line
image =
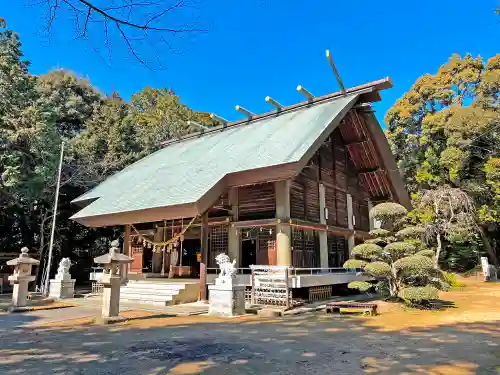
<point x="461" y="340"/>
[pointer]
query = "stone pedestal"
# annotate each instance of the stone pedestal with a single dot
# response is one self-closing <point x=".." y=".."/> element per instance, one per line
<point x="226" y="298"/>
<point x="111" y="298"/>
<point x="62" y="286"/>
<point x="61" y="289"/>
<point x="115" y="274"/>
<point x="20" y="292"/>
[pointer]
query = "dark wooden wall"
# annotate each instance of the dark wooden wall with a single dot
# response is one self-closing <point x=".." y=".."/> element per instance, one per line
<point x="331" y="165"/>
<point x="256" y="201"/>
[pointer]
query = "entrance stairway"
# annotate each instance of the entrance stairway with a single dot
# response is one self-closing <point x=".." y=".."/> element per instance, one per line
<point x="159" y="292"/>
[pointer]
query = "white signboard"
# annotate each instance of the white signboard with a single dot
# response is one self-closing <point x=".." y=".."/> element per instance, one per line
<point x="486" y="267"/>
<point x="270" y="285"/>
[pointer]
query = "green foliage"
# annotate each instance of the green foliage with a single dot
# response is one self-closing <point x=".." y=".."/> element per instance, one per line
<point x="418" y="295"/>
<point x="380" y="233"/>
<point x="444" y="132"/>
<point x="417" y="244"/>
<point x="396" y="250"/>
<point x="378" y="269"/>
<point x="362" y="286"/>
<point x="388" y="212"/>
<point x="427" y="253"/>
<point x="382" y="288"/>
<point x="102" y="134"/>
<point x="354" y="263"/>
<point x="393" y="263"/>
<point x="366" y="251"/>
<point x="451" y="280"/>
<point x="376" y="241"/>
<point x="415" y="265"/>
<point x="411" y="232"/>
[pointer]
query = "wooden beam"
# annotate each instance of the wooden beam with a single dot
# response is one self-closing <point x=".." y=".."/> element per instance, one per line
<point x="305" y="224"/>
<point x="255" y="223"/>
<point x="274" y="103"/>
<point x="334" y="68"/>
<point x="368" y="170"/>
<point x="222" y="120"/>
<point x="245" y="111"/>
<point x="204" y="257"/>
<point x="307" y="94"/>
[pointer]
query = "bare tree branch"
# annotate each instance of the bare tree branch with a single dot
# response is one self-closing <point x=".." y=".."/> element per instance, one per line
<point x="134" y="21"/>
<point x="136" y="25"/>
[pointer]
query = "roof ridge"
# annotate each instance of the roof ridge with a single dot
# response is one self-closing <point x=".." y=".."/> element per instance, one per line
<point x="380" y="84"/>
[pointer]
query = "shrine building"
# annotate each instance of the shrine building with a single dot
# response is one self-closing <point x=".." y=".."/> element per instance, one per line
<point x="292" y="187"/>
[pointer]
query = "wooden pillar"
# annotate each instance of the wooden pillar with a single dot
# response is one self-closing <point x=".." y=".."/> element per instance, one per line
<point x="350" y="224"/>
<point x="233" y="240"/>
<point x="127" y="249"/>
<point x="283" y="231"/>
<point x="370" y="217"/>
<point x="323" y="242"/>
<point x="204" y="257"/>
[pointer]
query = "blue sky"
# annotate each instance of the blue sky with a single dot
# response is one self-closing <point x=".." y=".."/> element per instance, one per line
<point x="256" y="48"/>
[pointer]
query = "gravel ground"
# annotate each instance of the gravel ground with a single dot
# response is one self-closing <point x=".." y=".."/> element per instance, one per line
<point x="306" y="344"/>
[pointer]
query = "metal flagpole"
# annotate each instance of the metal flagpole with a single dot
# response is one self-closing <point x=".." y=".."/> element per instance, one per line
<point x="54" y="215"/>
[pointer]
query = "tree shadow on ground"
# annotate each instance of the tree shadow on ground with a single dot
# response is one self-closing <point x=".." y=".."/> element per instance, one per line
<point x="314" y="343"/>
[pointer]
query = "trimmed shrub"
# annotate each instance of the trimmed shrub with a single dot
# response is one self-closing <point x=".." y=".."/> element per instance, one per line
<point x="380" y="233"/>
<point x="388" y="211"/>
<point x="377" y="241"/>
<point x="416" y="295"/>
<point x="362" y="286"/>
<point x="397" y="250"/>
<point x="416" y="243"/>
<point x="354" y="263"/>
<point x="366" y="251"/>
<point x="411" y="232"/>
<point x="378" y="269"/>
<point x="415" y="265"/>
<point x="427" y="253"/>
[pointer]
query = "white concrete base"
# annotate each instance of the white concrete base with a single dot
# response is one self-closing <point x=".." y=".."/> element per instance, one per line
<point x="61" y="289"/>
<point x="226" y="299"/>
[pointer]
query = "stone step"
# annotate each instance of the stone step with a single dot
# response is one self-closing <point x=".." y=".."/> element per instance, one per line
<point x="158" y="293"/>
<point x="153" y="285"/>
<point x="143" y="297"/>
<point x="150" y="292"/>
<point x="146" y="302"/>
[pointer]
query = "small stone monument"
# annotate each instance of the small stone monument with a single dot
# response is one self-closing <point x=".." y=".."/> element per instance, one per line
<point x="21" y="278"/>
<point x="225" y="297"/>
<point x="489" y="271"/>
<point x="63" y="286"/>
<point x="114" y="275"/>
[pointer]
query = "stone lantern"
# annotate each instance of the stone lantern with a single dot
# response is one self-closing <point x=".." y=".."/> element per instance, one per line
<point x="115" y="272"/>
<point x="21" y="277"/>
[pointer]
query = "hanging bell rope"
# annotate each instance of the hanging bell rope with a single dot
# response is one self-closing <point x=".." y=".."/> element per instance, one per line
<point x="165" y="243"/>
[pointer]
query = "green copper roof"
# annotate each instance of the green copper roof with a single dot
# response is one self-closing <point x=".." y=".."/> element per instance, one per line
<point x="184" y="171"/>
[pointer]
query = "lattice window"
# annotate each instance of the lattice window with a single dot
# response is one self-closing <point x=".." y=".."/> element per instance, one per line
<point x="218" y="241"/>
<point x="305" y="248"/>
<point x="337" y="251"/>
